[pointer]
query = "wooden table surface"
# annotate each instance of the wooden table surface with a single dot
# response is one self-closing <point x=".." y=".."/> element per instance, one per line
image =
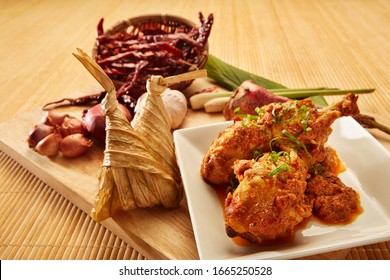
<point x="300" y="43"/>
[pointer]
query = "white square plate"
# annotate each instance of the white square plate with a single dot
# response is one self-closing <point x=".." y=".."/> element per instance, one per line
<point x="368" y="172"/>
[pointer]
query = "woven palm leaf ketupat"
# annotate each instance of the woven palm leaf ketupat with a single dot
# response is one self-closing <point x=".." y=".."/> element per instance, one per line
<point x="139" y="166"/>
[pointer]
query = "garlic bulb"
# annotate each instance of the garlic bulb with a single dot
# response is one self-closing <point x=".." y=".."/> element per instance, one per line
<point x="175" y="103"/>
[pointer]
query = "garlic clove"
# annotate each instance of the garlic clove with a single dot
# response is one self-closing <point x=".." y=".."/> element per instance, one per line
<point x="75" y="145"/>
<point x="49" y="145"/>
<point x="39" y="132"/>
<point x="72" y="125"/>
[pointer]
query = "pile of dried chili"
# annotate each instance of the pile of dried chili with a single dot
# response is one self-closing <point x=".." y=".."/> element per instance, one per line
<point x="130" y="58"/>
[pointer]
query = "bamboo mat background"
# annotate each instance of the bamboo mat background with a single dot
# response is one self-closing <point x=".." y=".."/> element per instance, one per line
<point x="53" y="228"/>
<point x="38" y="223"/>
<point x="299" y="43"/>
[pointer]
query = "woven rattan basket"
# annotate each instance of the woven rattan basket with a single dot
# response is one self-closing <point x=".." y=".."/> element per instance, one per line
<point x="164" y="22"/>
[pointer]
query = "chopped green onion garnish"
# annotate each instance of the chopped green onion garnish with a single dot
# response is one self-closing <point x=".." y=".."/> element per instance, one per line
<point x="257" y="154"/>
<point x="318" y="168"/>
<point x="276" y="117"/>
<point x="245" y="116"/>
<point x="281" y="167"/>
<point x="259" y="111"/>
<point x="295" y="140"/>
<point x="274" y="156"/>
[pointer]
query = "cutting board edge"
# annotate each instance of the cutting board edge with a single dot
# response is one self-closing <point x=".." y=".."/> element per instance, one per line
<point x="111" y="224"/>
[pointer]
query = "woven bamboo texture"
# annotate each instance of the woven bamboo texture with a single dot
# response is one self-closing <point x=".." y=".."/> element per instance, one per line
<point x="38" y="223"/>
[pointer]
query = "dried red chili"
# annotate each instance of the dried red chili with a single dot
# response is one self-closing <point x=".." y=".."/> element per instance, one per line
<point x="130" y="59"/>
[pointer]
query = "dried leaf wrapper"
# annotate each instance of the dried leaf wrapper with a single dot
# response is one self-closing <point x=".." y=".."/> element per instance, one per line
<point x="139" y="167"/>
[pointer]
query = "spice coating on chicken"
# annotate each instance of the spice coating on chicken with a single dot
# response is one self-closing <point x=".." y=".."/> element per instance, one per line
<point x="334" y="202"/>
<point x="235" y="142"/>
<point x="270" y="201"/>
<point x="275" y="126"/>
<point x="284" y="168"/>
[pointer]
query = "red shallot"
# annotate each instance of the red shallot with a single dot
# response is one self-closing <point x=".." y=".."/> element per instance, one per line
<point x="49" y="146"/>
<point x="59" y="133"/>
<point x="38" y="132"/>
<point x="95" y="122"/>
<point x="75" y="145"/>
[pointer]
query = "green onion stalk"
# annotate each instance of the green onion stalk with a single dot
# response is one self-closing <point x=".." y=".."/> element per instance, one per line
<point x="231" y="77"/>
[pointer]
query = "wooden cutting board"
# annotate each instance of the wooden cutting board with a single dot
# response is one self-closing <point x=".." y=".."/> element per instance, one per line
<point x="156" y="233"/>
